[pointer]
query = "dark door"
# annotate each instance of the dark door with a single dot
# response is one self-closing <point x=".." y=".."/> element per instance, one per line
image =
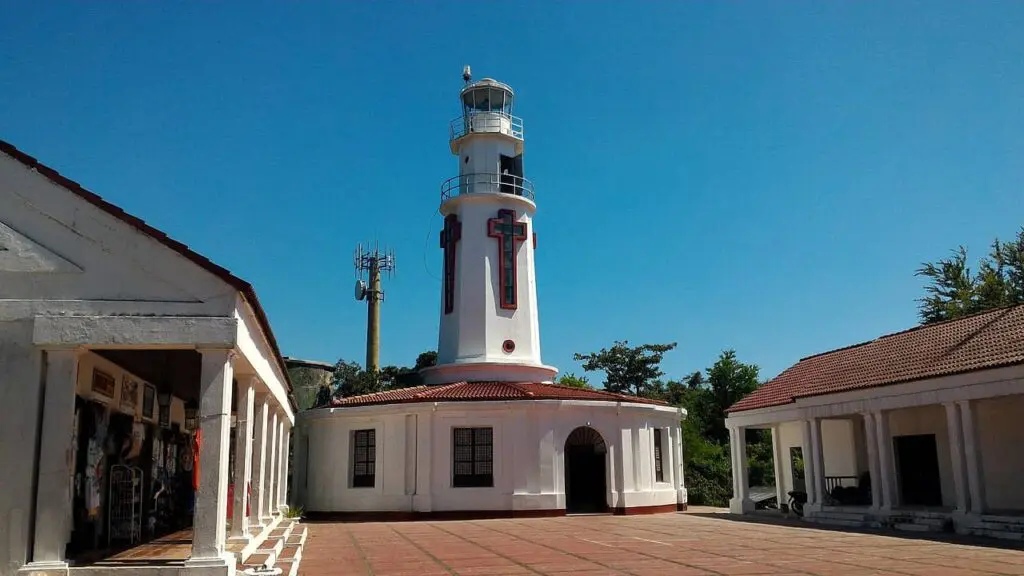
<point x="511" y="169"/>
<point x="917" y="468"/>
<point x="585" y="481"/>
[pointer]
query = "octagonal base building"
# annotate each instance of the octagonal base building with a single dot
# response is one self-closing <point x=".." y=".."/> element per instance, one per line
<point x="489" y="434"/>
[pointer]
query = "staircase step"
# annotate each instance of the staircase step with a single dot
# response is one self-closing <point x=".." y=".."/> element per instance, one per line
<point x="1000" y="526"/>
<point x="914" y="527"/>
<point x="260" y="558"/>
<point x="838" y="522"/>
<point x="842" y="516"/>
<point x="289" y="567"/>
<point x="271" y="544"/>
<point x="1000" y="534"/>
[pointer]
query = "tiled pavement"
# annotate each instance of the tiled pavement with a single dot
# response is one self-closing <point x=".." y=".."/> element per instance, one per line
<point x="669" y="544"/>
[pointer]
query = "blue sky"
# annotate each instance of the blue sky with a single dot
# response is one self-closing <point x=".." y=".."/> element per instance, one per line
<point x="763" y="176"/>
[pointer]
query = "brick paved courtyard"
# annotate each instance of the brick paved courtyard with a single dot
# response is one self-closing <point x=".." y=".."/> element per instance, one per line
<point x="669" y="544"/>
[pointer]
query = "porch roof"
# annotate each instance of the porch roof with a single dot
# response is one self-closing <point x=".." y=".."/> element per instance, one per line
<point x="244" y="288"/>
<point x="990" y="339"/>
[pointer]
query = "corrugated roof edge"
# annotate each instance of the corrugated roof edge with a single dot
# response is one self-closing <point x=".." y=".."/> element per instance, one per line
<point x="246" y="289"/>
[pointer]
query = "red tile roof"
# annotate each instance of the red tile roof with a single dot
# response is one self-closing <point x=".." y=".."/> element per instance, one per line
<point x="480" y="391"/>
<point x="988" y="340"/>
<point x="235" y="282"/>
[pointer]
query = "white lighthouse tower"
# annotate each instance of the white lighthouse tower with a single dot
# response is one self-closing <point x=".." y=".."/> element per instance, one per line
<point x="489" y="327"/>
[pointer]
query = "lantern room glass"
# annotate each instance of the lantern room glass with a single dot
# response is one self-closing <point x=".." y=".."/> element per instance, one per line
<point x="487" y="99"/>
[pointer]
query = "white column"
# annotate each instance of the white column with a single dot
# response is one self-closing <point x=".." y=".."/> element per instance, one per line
<point x="740" y="503"/>
<point x="282" y="467"/>
<point x="270" y="482"/>
<point x="681" y="496"/>
<point x="972" y="457"/>
<point x="887" y="477"/>
<point x="778" y="459"/>
<point x="871" y="445"/>
<point x="258" y="511"/>
<point x="53" y="491"/>
<point x="209" y="525"/>
<point x="808" y="455"/>
<point x="818" y="470"/>
<point x="954" y="429"/>
<point x="243" y="457"/>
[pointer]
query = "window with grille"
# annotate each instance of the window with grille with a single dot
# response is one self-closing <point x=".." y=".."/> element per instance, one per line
<point x="364" y="458"/>
<point x="472" y="457"/>
<point x="659" y="469"/>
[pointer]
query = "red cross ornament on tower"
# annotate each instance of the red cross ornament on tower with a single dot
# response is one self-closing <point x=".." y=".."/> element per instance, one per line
<point x="509" y="234"/>
<point x="451" y="234"/>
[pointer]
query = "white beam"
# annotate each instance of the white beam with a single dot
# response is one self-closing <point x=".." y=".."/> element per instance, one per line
<point x="134" y="331"/>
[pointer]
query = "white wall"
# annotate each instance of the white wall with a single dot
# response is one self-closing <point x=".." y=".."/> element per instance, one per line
<point x="791" y="436"/>
<point x="839" y="447"/>
<point x="415" y="462"/>
<point x="1001" y="438"/>
<point x="927" y="420"/>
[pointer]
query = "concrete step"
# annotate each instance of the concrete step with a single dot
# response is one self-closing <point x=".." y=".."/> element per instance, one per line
<point x="857" y="516"/>
<point x="913" y="527"/>
<point x="260" y="558"/>
<point x="271" y="544"/>
<point x="1014" y="520"/>
<point x="838" y="522"/>
<point x="1000" y="526"/>
<point x="289" y="567"/>
<point x="1000" y="534"/>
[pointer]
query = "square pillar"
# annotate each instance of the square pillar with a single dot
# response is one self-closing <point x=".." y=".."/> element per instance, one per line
<point x="285" y="452"/>
<point x="680" y="478"/>
<point x="258" y="509"/>
<point x="270" y="507"/>
<point x="972" y="457"/>
<point x="740" y="503"/>
<point x="243" y="458"/>
<point x="818" y="470"/>
<point x="808" y="455"/>
<point x="209" y="526"/>
<point x="886" y="473"/>
<point x="871" y="445"/>
<point x="954" y="429"/>
<point x="777" y="458"/>
<point x="53" y="491"/>
<point x="279" y="463"/>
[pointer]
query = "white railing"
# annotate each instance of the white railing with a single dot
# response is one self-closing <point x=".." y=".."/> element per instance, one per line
<point x="488" y="122"/>
<point x="486" y="183"/>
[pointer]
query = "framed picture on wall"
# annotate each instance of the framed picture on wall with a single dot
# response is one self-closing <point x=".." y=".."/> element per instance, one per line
<point x="149" y="402"/>
<point x="129" y="394"/>
<point x="103" y="384"/>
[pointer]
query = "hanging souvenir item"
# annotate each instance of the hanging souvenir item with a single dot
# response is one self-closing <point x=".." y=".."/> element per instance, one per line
<point x="138" y="436"/>
<point x="95" y="465"/>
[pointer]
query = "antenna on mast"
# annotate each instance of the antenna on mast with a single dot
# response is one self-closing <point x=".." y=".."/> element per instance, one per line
<point x="371" y="263"/>
<point x="467" y="74"/>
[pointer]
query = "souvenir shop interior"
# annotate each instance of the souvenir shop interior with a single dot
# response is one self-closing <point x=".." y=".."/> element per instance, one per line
<point x="135" y="450"/>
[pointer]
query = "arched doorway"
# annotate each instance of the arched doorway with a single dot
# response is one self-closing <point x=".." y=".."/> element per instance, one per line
<point x="585" y="478"/>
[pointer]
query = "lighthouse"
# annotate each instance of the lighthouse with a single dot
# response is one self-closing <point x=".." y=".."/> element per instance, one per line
<point x="489" y="323"/>
<point x="488" y="432"/>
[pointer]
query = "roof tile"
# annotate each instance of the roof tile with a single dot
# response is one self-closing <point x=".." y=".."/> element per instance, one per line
<point x="482" y="391"/>
<point x="987" y="340"/>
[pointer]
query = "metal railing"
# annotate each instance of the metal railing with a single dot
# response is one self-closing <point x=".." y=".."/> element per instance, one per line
<point x="486" y="183"/>
<point x="834" y="481"/>
<point x="486" y="122"/>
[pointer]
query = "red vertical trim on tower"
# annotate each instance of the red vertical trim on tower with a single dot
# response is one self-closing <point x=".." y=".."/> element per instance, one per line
<point x="506" y="229"/>
<point x="450" y="236"/>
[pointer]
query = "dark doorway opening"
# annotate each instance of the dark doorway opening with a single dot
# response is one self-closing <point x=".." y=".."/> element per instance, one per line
<point x="917" y="468"/>
<point x="586" y="484"/>
<point x="511" y="169"/>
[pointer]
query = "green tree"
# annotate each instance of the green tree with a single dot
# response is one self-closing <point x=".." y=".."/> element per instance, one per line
<point x="426" y="360"/>
<point x="953" y="290"/>
<point x="628" y="369"/>
<point x="728" y="381"/>
<point x="574" y="381"/>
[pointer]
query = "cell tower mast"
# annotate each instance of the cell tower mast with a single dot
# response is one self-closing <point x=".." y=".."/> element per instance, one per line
<point x="369" y="265"/>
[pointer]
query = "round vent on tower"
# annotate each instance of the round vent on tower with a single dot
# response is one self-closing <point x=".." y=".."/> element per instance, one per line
<point x="508" y="346"/>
